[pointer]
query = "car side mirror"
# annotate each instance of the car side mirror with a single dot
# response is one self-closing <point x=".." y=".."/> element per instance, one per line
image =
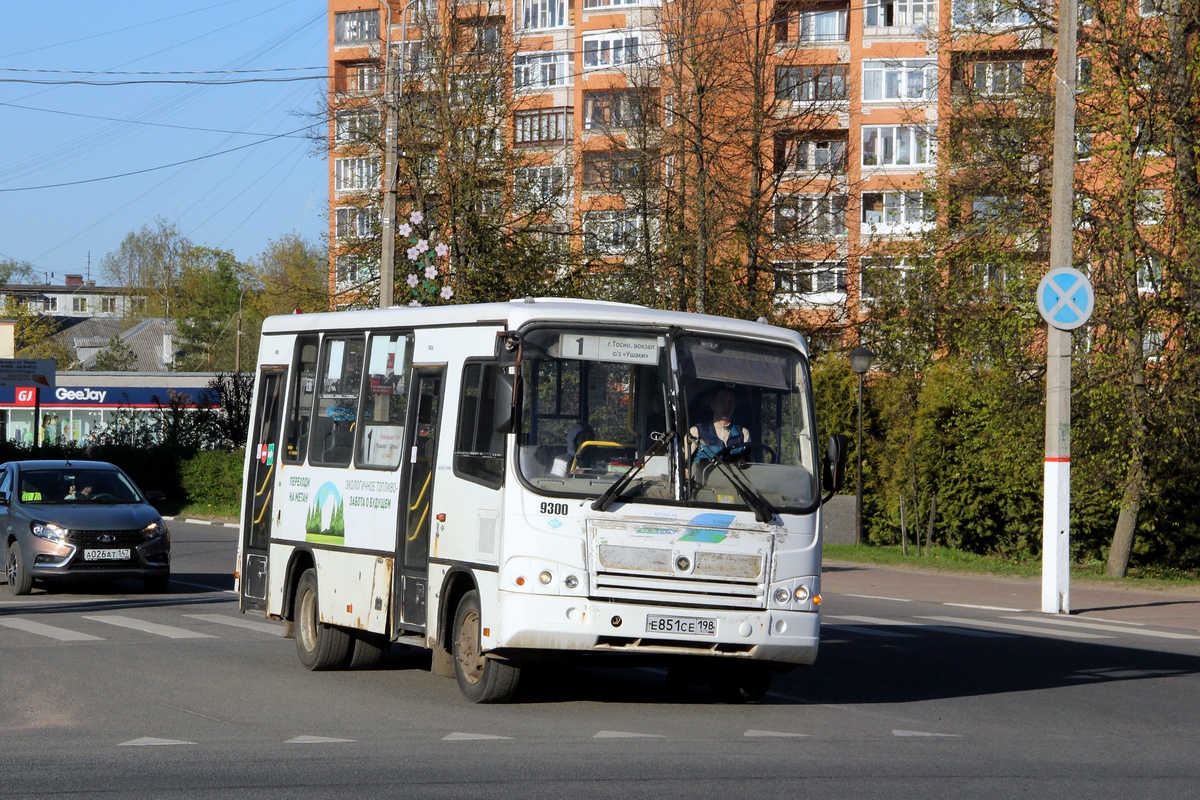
<point x="836" y="454"/>
<point x="155" y="497"/>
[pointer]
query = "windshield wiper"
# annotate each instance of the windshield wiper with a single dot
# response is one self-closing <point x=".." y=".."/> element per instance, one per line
<point x="611" y="493"/>
<point x="763" y="511"/>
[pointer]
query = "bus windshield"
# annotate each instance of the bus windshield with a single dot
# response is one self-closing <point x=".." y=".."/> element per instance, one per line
<point x="738" y="419"/>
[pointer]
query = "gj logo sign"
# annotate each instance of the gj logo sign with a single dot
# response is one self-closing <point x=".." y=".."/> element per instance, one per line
<point x="26" y="396"/>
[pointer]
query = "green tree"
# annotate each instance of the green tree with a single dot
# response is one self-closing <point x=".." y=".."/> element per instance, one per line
<point x="117" y="356"/>
<point x="148" y="261"/>
<point x="206" y="308"/>
<point x="34" y="335"/>
<point x="14" y="271"/>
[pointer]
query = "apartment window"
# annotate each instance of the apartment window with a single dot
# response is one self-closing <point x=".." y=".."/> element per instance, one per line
<point x="485" y="37"/>
<point x="590" y="4"/>
<point x="1152" y="345"/>
<point x="356" y="125"/>
<point x="361" y="78"/>
<point x="895" y="212"/>
<point x="537" y="14"/>
<point x="356" y="223"/>
<point x="108" y="305"/>
<point x="352" y="269"/>
<point x="475" y="89"/>
<point x="1083" y="142"/>
<point x="998" y="78"/>
<point x="1086" y="12"/>
<point x="808" y="84"/>
<point x="882" y="276"/>
<point x="826" y="156"/>
<point x="1151" y="206"/>
<point x="611" y="232"/>
<point x="476" y="142"/>
<point x="542" y="70"/>
<point x="49" y="304"/>
<point x="355" y="174"/>
<point x="356" y="27"/>
<point x="1151" y="139"/>
<point x="613" y="49"/>
<point x="620" y="108"/>
<point x="808" y="216"/>
<point x="898" y="13"/>
<point x="827" y="25"/>
<point x="899" y="80"/>
<point x="995" y="278"/>
<point x="1083" y="74"/>
<point x="896" y="146"/>
<point x="989" y="14"/>
<point x="610" y="170"/>
<point x="546" y="125"/>
<point x="79" y="305"/>
<point x="810" y="277"/>
<point x="988" y="209"/>
<point x="1150" y="8"/>
<point x="1149" y="275"/>
<point x="546" y="185"/>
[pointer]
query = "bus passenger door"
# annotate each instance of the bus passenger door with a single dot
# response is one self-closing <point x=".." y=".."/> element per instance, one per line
<point x="256" y="525"/>
<point x="417" y="494"/>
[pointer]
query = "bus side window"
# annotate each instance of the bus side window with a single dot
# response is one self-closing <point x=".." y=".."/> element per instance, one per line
<point x="384" y="407"/>
<point x="337" y="402"/>
<point x="304" y="379"/>
<point x="478" y="446"/>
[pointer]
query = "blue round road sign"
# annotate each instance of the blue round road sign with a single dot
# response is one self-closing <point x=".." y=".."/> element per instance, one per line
<point x="1065" y="298"/>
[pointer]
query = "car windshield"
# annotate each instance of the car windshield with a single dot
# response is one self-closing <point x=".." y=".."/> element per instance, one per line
<point x="741" y="431"/>
<point x="76" y="485"/>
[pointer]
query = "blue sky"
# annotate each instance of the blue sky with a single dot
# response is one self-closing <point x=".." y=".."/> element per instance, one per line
<point x="237" y="200"/>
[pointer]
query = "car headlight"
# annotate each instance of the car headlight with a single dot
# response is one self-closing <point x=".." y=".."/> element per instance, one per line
<point x="48" y="531"/>
<point x="155" y="529"/>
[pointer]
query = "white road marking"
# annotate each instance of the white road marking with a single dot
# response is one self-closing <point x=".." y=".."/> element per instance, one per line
<point x="168" y="631"/>
<point x="773" y="734"/>
<point x="1004" y="626"/>
<point x="984" y="608"/>
<point x="237" y="622"/>
<point x="927" y="734"/>
<point x="1097" y="626"/>
<point x="202" y="586"/>
<point x="626" y="735"/>
<point x="876" y="597"/>
<point x="61" y="634"/>
<point x="870" y="631"/>
<point x="924" y="626"/>
<point x="149" y="741"/>
<point x="464" y="737"/>
<point x="316" y="740"/>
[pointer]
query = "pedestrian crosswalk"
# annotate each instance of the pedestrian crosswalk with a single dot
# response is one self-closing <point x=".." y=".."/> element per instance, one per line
<point x="102" y="627"/>
<point x="1007" y="626"/>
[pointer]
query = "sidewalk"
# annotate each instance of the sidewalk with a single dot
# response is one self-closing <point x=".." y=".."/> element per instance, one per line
<point x="1178" y="609"/>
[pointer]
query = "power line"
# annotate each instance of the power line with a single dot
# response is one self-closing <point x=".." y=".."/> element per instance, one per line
<point x="161" y="166"/>
<point x="132" y="121"/>
<point x="233" y="82"/>
<point x="159" y="71"/>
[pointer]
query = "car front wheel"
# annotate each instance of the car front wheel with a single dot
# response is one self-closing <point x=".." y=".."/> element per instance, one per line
<point x="19" y="579"/>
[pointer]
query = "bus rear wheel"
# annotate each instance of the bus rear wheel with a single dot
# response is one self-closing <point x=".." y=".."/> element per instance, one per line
<point x="480" y="679"/>
<point x="320" y="646"/>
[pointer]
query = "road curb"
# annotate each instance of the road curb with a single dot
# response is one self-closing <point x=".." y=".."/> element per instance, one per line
<point x="195" y="521"/>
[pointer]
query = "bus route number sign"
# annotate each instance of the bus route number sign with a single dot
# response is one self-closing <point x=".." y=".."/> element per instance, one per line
<point x="640" y="350"/>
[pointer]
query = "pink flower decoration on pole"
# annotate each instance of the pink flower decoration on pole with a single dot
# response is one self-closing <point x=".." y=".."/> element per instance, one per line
<point x="416" y="218"/>
<point x="430" y="272"/>
<point x="422" y="246"/>
<point x="413" y="253"/>
<point x="442" y="250"/>
<point x="447" y="293"/>
<point x="405" y="229"/>
<point x="413" y="280"/>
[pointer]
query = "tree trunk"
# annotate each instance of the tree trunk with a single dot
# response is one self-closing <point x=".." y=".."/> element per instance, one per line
<point x="1122" y="542"/>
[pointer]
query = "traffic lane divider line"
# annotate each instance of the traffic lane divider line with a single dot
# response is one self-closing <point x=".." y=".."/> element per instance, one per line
<point x="1004" y="626"/>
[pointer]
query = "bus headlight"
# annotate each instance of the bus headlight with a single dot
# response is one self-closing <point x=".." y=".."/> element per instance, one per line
<point x="801" y="593"/>
<point x="545" y="577"/>
<point x="782" y="595"/>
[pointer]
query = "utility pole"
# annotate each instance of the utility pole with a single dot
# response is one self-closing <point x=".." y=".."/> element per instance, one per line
<point x="387" y="251"/>
<point x="1056" y="506"/>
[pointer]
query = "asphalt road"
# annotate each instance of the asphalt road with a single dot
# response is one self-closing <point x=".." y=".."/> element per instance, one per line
<point x="109" y="692"/>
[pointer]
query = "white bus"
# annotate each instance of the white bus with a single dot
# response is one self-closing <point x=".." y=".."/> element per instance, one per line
<point x="409" y="479"/>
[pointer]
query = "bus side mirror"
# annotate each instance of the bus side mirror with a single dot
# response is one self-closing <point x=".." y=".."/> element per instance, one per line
<point x="835" y="462"/>
<point x="508" y="401"/>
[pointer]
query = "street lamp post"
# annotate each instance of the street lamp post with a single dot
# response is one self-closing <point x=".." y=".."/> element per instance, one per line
<point x="861" y="360"/>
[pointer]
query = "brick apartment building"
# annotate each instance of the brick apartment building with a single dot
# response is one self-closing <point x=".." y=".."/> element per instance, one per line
<point x="856" y="130"/>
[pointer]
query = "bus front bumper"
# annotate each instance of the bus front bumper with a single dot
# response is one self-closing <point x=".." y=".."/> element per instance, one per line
<point x="578" y="624"/>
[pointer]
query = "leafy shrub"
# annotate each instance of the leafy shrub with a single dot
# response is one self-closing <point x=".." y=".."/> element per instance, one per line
<point x="214" y="478"/>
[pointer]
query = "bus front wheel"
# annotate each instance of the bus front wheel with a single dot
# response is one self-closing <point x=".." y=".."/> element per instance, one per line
<point x="481" y="679"/>
<point x="319" y="646"/>
<point x="739" y="682"/>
